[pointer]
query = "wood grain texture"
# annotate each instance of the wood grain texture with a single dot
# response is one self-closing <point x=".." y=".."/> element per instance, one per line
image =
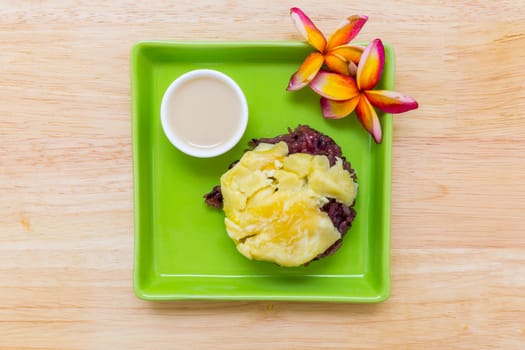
<point x="66" y="214"/>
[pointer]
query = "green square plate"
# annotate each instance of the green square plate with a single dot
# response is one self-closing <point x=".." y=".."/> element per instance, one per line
<point x="182" y="250"/>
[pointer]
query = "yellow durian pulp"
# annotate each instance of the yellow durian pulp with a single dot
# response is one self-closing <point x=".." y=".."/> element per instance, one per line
<point x="272" y="202"/>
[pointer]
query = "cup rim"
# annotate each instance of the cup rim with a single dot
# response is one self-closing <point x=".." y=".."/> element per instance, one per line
<point x="168" y="127"/>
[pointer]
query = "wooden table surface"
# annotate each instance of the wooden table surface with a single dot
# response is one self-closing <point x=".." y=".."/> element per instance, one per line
<point x="66" y="212"/>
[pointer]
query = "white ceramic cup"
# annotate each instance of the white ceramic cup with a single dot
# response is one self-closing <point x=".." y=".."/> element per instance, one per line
<point x="167" y="117"/>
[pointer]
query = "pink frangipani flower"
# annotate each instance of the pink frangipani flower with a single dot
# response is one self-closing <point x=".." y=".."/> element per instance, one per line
<point x="334" y="52"/>
<point x="342" y="94"/>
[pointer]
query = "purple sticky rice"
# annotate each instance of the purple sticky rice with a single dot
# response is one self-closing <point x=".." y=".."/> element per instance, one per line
<point x="307" y="140"/>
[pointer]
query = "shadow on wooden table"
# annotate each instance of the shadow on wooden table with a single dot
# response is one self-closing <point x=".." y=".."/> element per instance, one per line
<point x="263" y="309"/>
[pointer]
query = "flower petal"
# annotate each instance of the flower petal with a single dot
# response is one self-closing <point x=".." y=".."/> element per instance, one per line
<point x="350" y="53"/>
<point x="336" y="64"/>
<point x="308" y="29"/>
<point x="352" y="69"/>
<point x="346" y="31"/>
<point x="338" y="109"/>
<point x="368" y="117"/>
<point x="370" y="65"/>
<point x="334" y="86"/>
<point x="391" y="101"/>
<point x="306" y="72"/>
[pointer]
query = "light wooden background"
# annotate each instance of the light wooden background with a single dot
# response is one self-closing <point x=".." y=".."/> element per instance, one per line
<point x="66" y="220"/>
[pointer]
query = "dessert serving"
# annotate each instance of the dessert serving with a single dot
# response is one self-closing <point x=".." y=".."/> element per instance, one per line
<point x="288" y="200"/>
